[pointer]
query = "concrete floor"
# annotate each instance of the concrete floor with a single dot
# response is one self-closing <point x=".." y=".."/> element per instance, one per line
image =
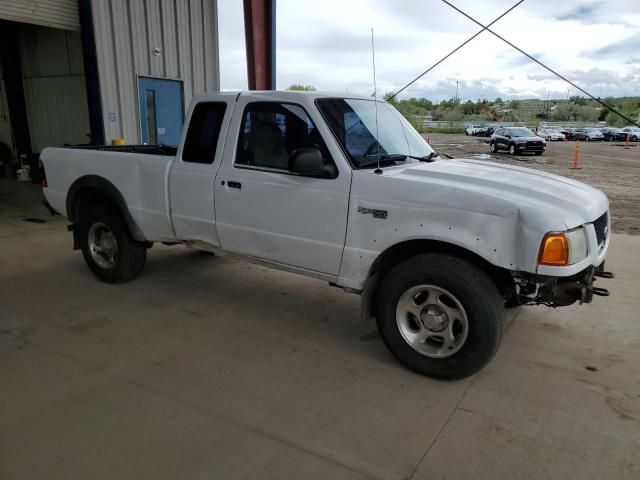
<point x="208" y="367"/>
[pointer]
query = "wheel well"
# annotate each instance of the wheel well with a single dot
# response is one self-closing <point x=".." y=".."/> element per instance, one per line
<point x="87" y="192"/>
<point x="402" y="251"/>
<point x="87" y="198"/>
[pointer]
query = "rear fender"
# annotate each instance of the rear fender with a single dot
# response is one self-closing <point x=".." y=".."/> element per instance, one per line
<point x="110" y="192"/>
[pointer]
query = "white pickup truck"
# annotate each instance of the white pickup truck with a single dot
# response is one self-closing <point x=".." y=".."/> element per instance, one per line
<point x="345" y="190"/>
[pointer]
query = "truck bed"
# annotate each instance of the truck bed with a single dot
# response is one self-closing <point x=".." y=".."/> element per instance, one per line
<point x="162" y="150"/>
<point x="138" y="172"/>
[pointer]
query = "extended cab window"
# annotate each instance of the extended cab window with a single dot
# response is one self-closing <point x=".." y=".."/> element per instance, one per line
<point x="204" y="130"/>
<point x="270" y="132"/>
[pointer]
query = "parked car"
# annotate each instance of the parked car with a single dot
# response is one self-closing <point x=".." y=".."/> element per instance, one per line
<point x="516" y="140"/>
<point x="489" y="131"/>
<point x="588" y="134"/>
<point x="348" y="193"/>
<point x="562" y="130"/>
<point x="473" y="129"/>
<point x="633" y="133"/>
<point x="550" y="134"/>
<point x="613" y="134"/>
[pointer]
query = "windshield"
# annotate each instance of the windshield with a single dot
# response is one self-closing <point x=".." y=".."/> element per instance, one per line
<point x="521" y="132"/>
<point x="353" y="122"/>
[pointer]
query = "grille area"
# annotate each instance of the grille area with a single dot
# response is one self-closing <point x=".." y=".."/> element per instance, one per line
<point x="600" y="225"/>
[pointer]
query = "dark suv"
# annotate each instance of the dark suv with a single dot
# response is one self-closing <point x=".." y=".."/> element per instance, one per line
<point x="613" y="134"/>
<point x="516" y="140"/>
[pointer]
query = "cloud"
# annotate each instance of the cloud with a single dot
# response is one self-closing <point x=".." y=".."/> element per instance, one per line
<point x="583" y="13"/>
<point x="622" y="48"/>
<point x="328" y="44"/>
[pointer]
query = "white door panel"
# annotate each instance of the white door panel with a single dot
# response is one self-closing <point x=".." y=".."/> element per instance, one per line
<point x="278" y="216"/>
<point x="289" y="219"/>
<point x="191" y="184"/>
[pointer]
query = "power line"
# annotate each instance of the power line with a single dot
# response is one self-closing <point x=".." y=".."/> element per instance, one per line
<point x="452" y="52"/>
<point x="541" y="64"/>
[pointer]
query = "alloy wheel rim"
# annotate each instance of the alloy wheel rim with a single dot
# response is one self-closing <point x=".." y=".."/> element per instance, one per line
<point x="103" y="246"/>
<point x="432" y="321"/>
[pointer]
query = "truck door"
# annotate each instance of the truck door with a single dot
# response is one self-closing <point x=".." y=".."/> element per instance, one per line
<point x="192" y="175"/>
<point x="266" y="211"/>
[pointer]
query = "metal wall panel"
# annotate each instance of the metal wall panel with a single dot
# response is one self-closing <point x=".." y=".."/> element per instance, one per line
<point x="54" y="86"/>
<point x="176" y="39"/>
<point x="48" y="13"/>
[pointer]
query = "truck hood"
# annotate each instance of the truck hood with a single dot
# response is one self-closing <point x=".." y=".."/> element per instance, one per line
<point x="536" y="196"/>
<point x="534" y="138"/>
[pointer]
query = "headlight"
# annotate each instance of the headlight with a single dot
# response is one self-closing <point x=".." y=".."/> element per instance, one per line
<point x="563" y="248"/>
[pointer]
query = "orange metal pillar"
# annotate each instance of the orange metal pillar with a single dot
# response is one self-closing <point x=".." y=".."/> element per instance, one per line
<point x="260" y="36"/>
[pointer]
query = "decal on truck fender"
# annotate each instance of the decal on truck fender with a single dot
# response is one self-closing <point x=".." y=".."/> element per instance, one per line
<point x="383" y="214"/>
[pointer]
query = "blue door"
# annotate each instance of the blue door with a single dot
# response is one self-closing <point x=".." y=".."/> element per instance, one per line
<point x="161" y="110"/>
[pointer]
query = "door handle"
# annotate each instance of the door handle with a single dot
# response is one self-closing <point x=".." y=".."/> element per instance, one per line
<point x="237" y="185"/>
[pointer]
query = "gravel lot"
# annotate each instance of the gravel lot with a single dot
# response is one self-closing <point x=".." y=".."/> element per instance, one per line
<point x="605" y="165"/>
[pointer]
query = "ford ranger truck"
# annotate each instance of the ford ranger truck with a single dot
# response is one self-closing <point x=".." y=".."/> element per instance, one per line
<point x="343" y="189"/>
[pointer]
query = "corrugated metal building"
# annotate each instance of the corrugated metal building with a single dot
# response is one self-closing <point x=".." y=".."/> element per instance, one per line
<point x="80" y="71"/>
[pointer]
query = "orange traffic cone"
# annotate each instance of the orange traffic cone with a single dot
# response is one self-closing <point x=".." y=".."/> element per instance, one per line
<point x="576" y="157"/>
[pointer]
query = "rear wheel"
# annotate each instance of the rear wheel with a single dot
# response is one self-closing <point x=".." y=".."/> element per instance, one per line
<point x="440" y="316"/>
<point x="108" y="249"/>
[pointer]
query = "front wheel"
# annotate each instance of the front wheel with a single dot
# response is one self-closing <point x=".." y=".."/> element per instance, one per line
<point x="440" y="316"/>
<point x="108" y="249"/>
<point x="537" y="154"/>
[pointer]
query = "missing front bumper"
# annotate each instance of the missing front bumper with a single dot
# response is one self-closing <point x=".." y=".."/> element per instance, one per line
<point x="560" y="292"/>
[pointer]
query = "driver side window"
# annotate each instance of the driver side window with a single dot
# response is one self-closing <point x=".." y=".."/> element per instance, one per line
<point x="271" y="132"/>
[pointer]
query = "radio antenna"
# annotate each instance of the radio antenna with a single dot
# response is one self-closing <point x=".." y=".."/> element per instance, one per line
<point x="375" y="100"/>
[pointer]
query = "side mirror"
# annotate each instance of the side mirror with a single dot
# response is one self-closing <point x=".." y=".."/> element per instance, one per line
<point x="309" y="161"/>
<point x="508" y="136"/>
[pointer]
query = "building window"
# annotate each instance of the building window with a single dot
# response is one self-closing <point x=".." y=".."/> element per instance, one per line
<point x="151" y="116"/>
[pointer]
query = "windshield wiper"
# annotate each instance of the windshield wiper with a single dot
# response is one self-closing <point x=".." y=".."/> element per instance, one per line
<point x="387" y="159"/>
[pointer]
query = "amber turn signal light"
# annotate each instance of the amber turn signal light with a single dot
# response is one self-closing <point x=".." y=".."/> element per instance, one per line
<point x="554" y="250"/>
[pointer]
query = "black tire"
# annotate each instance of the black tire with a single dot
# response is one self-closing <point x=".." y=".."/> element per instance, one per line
<point x="634" y="139"/>
<point x="130" y="256"/>
<point x="537" y="154"/>
<point x="475" y="291"/>
<point x="493" y="148"/>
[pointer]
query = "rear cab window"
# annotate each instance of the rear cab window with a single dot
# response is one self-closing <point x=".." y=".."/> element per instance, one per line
<point x="204" y="131"/>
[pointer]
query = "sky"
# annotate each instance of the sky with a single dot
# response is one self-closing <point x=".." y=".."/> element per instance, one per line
<point x="327" y="44"/>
